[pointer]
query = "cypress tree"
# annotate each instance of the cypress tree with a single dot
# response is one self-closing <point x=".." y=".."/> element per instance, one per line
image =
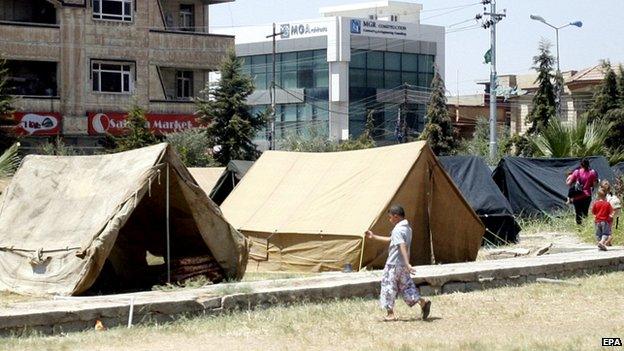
<point x="439" y="130"/>
<point x="544" y="106"/>
<point x="606" y="96"/>
<point x="137" y="134"/>
<point x="231" y="127"/>
<point x="620" y="86"/>
<point x="7" y="138"/>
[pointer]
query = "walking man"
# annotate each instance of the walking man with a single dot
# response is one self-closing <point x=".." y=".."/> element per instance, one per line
<point x="396" y="275"/>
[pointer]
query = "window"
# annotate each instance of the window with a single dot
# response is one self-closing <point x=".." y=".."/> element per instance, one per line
<point x="394" y="18"/>
<point x="187" y="18"/>
<point x="115" y="10"/>
<point x="184" y="84"/>
<point x="112" y="77"/>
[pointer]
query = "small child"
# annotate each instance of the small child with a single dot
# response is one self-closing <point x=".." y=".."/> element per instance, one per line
<point x="574" y="190"/>
<point x="603" y="213"/>
<point x="615" y="202"/>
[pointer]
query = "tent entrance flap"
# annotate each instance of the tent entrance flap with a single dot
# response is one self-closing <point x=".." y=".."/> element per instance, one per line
<point x="153" y="249"/>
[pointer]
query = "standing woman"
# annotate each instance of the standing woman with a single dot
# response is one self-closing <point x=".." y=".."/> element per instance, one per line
<point x="586" y="179"/>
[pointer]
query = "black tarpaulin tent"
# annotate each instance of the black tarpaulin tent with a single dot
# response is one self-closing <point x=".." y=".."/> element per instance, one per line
<point x="234" y="172"/>
<point x="474" y="178"/>
<point x="536" y="186"/>
<point x="619" y="169"/>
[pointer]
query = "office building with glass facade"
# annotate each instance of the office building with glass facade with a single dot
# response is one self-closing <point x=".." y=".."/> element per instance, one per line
<point x="331" y="73"/>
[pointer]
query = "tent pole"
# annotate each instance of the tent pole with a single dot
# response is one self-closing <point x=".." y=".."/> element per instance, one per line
<point x="167" y="225"/>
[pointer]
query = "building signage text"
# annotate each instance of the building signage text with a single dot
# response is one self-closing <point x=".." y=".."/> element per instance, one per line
<point x="382" y="28"/>
<point x="299" y="30"/>
<point x="114" y="123"/>
<point x="37" y="123"/>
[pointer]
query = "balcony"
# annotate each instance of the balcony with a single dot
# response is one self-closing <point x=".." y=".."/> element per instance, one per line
<point x="34" y="41"/>
<point x="188" y="49"/>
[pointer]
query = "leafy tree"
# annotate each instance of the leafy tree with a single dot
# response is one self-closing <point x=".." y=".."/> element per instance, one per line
<point x="544" y="106"/>
<point x="479" y="144"/>
<point x="606" y="95"/>
<point x="231" y="126"/>
<point x="620" y="85"/>
<point x="614" y="118"/>
<point x="9" y="160"/>
<point x="137" y="133"/>
<point x="192" y="146"/>
<point x="56" y="148"/>
<point x="439" y="131"/>
<point x="6" y="109"/>
<point x="581" y="140"/>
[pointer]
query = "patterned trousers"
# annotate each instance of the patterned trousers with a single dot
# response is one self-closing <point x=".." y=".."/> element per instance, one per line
<point x="396" y="280"/>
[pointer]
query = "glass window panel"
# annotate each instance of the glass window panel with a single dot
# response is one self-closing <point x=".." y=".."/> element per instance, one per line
<point x="392" y="79"/>
<point x="305" y="78"/>
<point x="321" y="78"/>
<point x="424" y="80"/>
<point x="289" y="61"/>
<point x="260" y="81"/>
<point x="375" y="60"/>
<point x="425" y="64"/>
<point x="305" y="59"/>
<point x="357" y="78"/>
<point x="320" y="58"/>
<point x="410" y="78"/>
<point x="96" y="6"/>
<point x="126" y="83"/>
<point x="375" y="79"/>
<point x="289" y="80"/>
<point x="258" y="64"/>
<point x="111" y="82"/>
<point x="127" y="9"/>
<point x="358" y="59"/>
<point x="112" y="7"/>
<point x="96" y="81"/>
<point x="306" y="112"/>
<point x="392" y="61"/>
<point x="290" y="113"/>
<point x="410" y="62"/>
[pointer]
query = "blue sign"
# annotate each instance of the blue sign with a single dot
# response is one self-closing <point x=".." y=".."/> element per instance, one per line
<point x="356" y="26"/>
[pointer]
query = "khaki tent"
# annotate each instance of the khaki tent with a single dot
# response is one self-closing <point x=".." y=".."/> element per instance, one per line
<point x="66" y="222"/>
<point x="4" y="182"/>
<point x="207" y="177"/>
<point x="309" y="211"/>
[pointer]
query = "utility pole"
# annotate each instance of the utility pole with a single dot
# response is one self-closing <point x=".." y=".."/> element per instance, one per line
<point x="494" y="18"/>
<point x="272" y="91"/>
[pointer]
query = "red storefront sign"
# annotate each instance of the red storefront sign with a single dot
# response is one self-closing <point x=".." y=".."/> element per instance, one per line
<point x="37" y="123"/>
<point x="114" y="122"/>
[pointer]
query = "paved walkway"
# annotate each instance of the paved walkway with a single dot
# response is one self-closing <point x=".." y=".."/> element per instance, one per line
<point x="63" y="314"/>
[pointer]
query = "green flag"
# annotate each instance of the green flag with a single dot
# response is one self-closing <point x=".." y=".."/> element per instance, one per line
<point x="488" y="56"/>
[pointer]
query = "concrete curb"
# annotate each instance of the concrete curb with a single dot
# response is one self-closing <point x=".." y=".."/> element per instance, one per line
<point x="80" y="313"/>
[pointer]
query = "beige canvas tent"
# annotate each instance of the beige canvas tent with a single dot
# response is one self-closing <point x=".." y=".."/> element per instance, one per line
<point x="4" y="182"/>
<point x="65" y="222"/>
<point x="309" y="211"/>
<point x="207" y="177"/>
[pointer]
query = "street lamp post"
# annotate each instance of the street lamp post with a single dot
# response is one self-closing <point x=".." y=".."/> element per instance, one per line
<point x="558" y="78"/>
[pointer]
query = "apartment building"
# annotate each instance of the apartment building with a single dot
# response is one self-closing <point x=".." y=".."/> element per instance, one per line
<point x="76" y="66"/>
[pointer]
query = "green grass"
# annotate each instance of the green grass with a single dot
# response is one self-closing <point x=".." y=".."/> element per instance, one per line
<point x="532" y="317"/>
<point x="565" y="223"/>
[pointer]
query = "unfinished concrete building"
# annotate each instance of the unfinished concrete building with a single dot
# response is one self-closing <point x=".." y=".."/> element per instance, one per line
<point x="78" y="65"/>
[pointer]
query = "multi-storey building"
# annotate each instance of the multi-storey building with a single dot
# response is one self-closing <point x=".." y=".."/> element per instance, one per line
<point x="76" y="66"/>
<point x="371" y="58"/>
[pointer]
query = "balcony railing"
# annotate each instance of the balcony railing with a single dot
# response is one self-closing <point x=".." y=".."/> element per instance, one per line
<point x="188" y="49"/>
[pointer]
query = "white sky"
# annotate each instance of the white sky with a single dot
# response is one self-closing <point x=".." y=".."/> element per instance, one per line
<point x="602" y="34"/>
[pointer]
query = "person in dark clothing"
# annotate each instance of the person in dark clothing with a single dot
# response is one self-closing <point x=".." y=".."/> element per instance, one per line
<point x="586" y="179"/>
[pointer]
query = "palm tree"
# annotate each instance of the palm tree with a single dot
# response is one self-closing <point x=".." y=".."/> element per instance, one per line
<point x="9" y="160"/>
<point x="580" y="140"/>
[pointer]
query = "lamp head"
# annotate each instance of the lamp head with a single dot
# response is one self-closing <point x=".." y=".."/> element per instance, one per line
<point x="577" y="24"/>
<point x="538" y="18"/>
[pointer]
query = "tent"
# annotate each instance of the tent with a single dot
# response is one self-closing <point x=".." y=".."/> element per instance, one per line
<point x="474" y="178"/>
<point x="619" y="169"/>
<point x="207" y="177"/>
<point x="68" y="222"/>
<point x="536" y="186"/>
<point x="234" y="172"/>
<point x="309" y="211"/>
